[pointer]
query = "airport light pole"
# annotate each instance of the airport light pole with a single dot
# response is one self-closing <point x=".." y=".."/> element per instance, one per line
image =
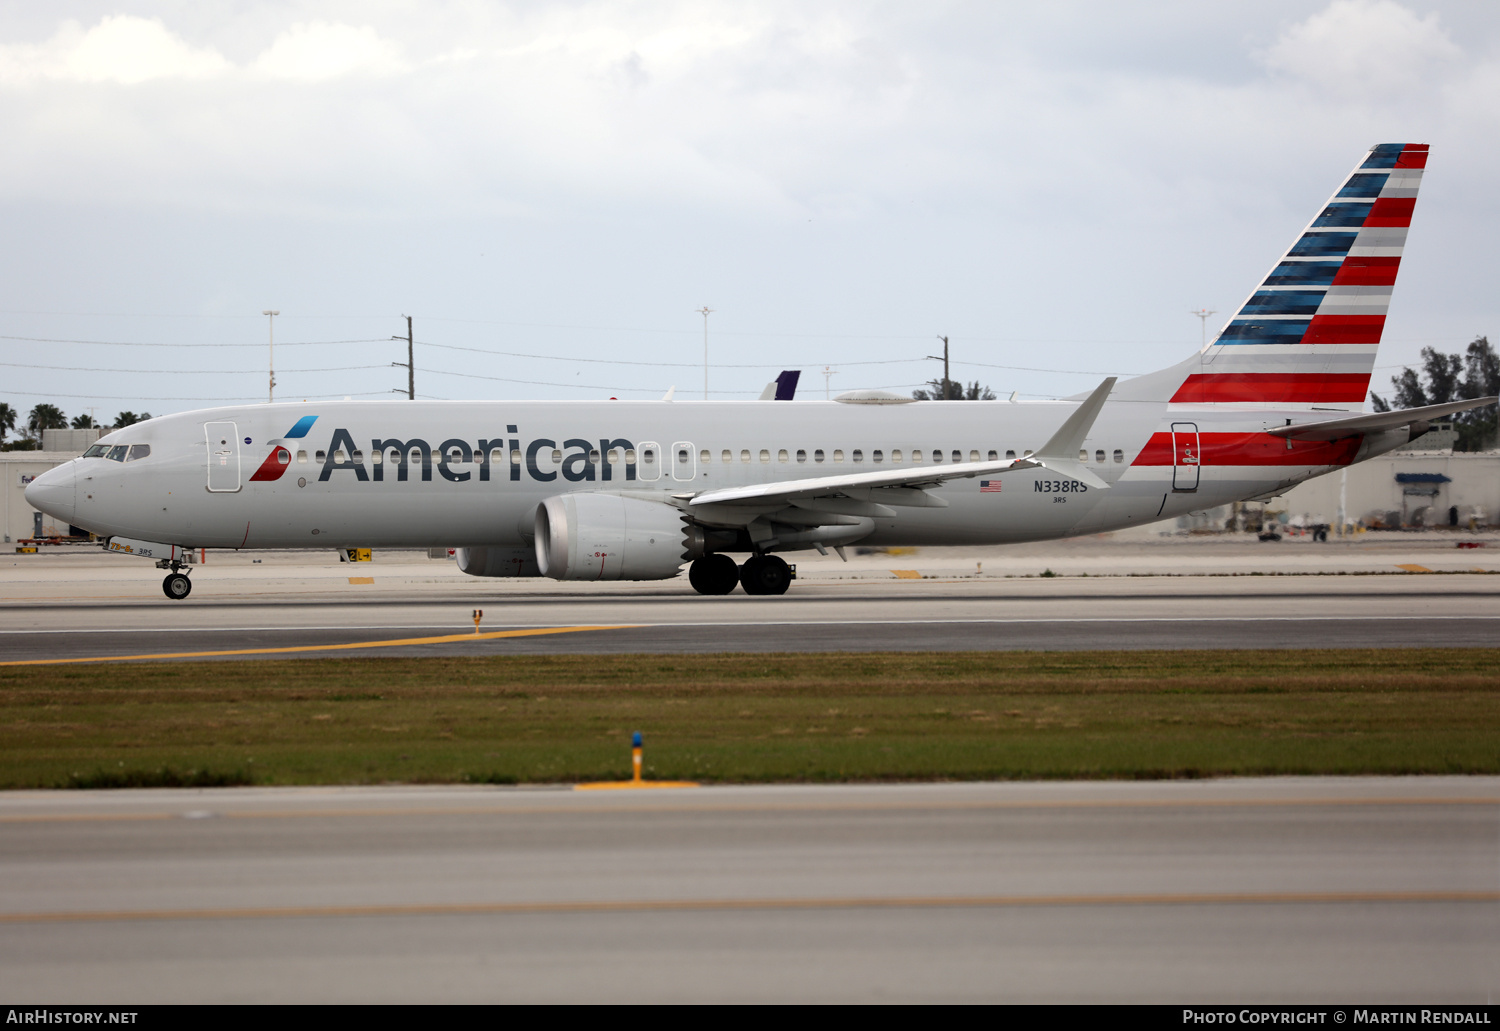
<point x="410" y="365"/>
<point x="271" y="353"/>
<point x="705" y="311"/>
<point x="1203" y="314"/>
<point x="828" y="373"/>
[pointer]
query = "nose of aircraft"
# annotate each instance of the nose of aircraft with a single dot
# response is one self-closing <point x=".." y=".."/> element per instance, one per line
<point x="53" y="492"/>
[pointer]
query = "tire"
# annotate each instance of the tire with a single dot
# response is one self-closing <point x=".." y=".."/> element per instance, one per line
<point x="714" y="574"/>
<point x="176" y="586"/>
<point x="765" y="574"/>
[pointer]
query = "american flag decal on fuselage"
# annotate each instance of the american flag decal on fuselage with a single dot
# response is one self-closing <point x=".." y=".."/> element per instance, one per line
<point x="989" y="486"/>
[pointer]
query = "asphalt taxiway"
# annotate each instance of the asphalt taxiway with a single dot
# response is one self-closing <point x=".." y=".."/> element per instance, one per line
<point x="1293" y="890"/>
<point x="1395" y="591"/>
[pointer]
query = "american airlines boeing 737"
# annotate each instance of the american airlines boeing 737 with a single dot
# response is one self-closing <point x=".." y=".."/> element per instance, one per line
<point x="633" y="490"/>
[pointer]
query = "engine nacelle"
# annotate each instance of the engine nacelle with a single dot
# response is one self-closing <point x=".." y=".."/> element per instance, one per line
<point x="604" y="537"/>
<point x="489" y="561"/>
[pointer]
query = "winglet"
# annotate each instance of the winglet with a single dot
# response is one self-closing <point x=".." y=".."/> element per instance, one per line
<point x="1060" y="454"/>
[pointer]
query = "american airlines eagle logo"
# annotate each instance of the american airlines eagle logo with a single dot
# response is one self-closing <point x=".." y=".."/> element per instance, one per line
<point x="280" y="457"/>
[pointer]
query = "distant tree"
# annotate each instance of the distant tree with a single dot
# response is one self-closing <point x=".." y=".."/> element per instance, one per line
<point x="7" y="419"/>
<point x="953" y="390"/>
<point x="129" y="419"/>
<point x="83" y="422"/>
<point x="1452" y="377"/>
<point x="45" y="417"/>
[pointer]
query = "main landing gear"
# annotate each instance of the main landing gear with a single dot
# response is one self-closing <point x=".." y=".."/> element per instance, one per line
<point x="761" y="574"/>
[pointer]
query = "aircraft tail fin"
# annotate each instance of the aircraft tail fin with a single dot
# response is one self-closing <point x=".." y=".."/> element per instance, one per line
<point x="1309" y="333"/>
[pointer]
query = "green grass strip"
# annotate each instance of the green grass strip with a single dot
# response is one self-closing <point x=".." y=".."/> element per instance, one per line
<point x="753" y="718"/>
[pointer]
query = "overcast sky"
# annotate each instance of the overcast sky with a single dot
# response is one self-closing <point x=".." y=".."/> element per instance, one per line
<point x="1053" y="186"/>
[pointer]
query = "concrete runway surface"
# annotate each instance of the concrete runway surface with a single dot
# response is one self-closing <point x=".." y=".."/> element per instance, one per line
<point x="1378" y="590"/>
<point x="1278" y="890"/>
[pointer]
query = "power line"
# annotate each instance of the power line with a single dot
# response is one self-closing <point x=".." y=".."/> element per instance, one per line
<point x="144" y="343"/>
<point x="189" y="372"/>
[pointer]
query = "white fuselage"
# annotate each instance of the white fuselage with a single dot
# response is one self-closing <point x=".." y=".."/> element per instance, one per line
<point x="492" y="463"/>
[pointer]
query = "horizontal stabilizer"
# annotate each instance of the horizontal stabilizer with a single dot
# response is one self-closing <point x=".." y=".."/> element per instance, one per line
<point x="1337" y="429"/>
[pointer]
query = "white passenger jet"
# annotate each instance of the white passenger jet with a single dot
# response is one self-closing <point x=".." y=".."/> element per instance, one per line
<point x="633" y="490"/>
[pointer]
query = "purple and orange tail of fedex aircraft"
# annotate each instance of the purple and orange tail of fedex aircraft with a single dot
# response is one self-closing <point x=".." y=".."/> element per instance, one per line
<point x="1309" y="333"/>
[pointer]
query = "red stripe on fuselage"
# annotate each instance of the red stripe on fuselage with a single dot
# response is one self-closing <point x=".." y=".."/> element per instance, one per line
<point x="1344" y="329"/>
<point x="1253" y="449"/>
<point x="1206" y="388"/>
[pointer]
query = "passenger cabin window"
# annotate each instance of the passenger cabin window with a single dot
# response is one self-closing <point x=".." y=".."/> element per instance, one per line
<point x="916" y="456"/>
<point x="937" y="456"/>
<point x="765" y="456"/>
<point x="801" y="455"/>
<point x="973" y="456"/>
<point x="556" y="456"/>
<point x="705" y="456"/>
<point x="818" y="455"/>
<point x="857" y="455"/>
<point x="321" y="457"/>
<point x="838" y="456"/>
<point x="1099" y="457"/>
<point x="781" y="455"/>
<point x="118" y="453"/>
<point x="958" y="456"/>
<point x="630" y="456"/>
<point x="96" y="451"/>
<point x="593" y="456"/>
<point x="1083" y="454"/>
<point x="515" y="457"/>
<point x="728" y="457"/>
<point x="877" y="456"/>
<point x="302" y="458"/>
<point x="684" y="456"/>
<point x="993" y="456"/>
<point x="745" y="457"/>
<point x="144" y="451"/>
<point x="1010" y="456"/>
<point x="648" y="457"/>
<point x="1119" y="456"/>
<point x="895" y="454"/>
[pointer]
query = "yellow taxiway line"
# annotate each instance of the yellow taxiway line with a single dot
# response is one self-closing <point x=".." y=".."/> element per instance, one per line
<point x="445" y="639"/>
<point x="709" y="904"/>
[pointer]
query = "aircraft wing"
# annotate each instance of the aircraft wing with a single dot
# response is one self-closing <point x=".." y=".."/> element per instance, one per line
<point x="1336" y="429"/>
<point x="904" y="486"/>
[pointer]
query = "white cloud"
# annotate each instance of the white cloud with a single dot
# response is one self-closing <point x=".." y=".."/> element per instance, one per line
<point x="1365" y="48"/>
<point x="317" y="51"/>
<point x="121" y="48"/>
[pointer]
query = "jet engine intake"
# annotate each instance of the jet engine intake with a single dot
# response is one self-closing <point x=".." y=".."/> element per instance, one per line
<point x="606" y="537"/>
<point x="489" y="561"/>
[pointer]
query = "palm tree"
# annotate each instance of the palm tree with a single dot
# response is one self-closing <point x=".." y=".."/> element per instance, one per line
<point x="45" y="417"/>
<point x="83" y="422"/>
<point x="7" y="419"/>
<point x="129" y="419"/>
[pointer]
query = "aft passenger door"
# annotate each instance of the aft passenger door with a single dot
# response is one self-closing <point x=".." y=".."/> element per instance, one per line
<point x="223" y="456"/>
<point x="1185" y="457"/>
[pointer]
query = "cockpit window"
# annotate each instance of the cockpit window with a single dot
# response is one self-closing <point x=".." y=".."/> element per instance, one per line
<point x="118" y="452"/>
<point x="139" y="451"/>
<point x="96" y="451"/>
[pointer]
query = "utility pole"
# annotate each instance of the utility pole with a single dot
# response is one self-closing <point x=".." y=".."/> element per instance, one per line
<point x="1203" y="314"/>
<point x="271" y="353"/>
<point x="705" y="311"/>
<point x="946" y="380"/>
<point x="828" y="374"/>
<point x="409" y="365"/>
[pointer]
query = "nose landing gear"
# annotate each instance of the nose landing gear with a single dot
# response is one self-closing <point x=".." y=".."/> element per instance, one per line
<point x="177" y="586"/>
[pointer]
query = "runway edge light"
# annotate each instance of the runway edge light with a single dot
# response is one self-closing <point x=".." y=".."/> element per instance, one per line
<point x="637" y="780"/>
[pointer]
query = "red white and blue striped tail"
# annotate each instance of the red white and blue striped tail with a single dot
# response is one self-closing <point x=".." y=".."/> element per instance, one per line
<point x="1309" y="333"/>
